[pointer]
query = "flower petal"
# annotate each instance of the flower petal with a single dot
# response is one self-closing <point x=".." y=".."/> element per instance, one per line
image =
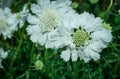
<point x="32" y="19"/>
<point x="74" y="55"/>
<point x="104" y="35"/>
<point x="35" y="8"/>
<point x="65" y="55"/>
<point x="43" y="39"/>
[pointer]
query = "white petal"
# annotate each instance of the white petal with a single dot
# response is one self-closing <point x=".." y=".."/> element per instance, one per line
<point x="42" y="40"/>
<point x="69" y="22"/>
<point x="60" y="43"/>
<point x="95" y="56"/>
<point x="7" y="10"/>
<point x="89" y="22"/>
<point x="104" y="35"/>
<point x="97" y="46"/>
<point x="49" y="44"/>
<point x="35" y="8"/>
<point x="83" y="56"/>
<point x="65" y="55"/>
<point x="4" y="55"/>
<point x="10" y="21"/>
<point x="32" y="19"/>
<point x="44" y="3"/>
<point x="90" y="54"/>
<point x="31" y="29"/>
<point x="74" y="55"/>
<point x="34" y="37"/>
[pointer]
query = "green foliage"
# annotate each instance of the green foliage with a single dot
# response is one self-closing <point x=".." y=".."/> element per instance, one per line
<point x="23" y="53"/>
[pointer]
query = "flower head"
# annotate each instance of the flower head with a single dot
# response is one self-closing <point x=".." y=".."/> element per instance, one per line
<point x="48" y="17"/>
<point x="83" y="36"/>
<point x="7" y="22"/>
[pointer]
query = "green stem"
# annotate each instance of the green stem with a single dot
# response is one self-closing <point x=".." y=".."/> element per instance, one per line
<point x="75" y="69"/>
<point x="10" y="70"/>
<point x="17" y="50"/>
<point x="31" y="56"/>
<point x="109" y="7"/>
<point x="115" y="70"/>
<point x="11" y="64"/>
<point x="46" y="59"/>
<point x="46" y="56"/>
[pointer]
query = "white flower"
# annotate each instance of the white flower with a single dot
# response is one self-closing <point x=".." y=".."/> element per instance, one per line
<point x="3" y="55"/>
<point x="7" y="23"/>
<point x="48" y="17"/>
<point x="83" y="36"/>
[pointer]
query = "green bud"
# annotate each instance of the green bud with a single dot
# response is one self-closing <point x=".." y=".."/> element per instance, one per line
<point x="107" y="26"/>
<point x="39" y="65"/>
<point x="74" y="5"/>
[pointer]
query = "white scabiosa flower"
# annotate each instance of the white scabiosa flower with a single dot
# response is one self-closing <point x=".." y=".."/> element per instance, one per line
<point x="7" y="22"/>
<point x="48" y="17"/>
<point x="83" y="36"/>
<point x="3" y="55"/>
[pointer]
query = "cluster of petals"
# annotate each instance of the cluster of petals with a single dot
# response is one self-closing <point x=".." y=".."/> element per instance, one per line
<point x="10" y="22"/>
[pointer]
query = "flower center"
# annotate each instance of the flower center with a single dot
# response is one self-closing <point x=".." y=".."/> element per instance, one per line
<point x="80" y="37"/>
<point x="3" y="24"/>
<point x="49" y="20"/>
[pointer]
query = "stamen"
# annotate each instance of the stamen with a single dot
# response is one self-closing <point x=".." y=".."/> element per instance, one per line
<point x="80" y="37"/>
<point x="49" y="20"/>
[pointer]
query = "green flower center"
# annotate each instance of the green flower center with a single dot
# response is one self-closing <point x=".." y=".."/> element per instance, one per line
<point x="80" y="37"/>
<point x="49" y="20"/>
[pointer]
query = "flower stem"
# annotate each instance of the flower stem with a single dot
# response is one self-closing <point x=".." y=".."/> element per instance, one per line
<point x="109" y="7"/>
<point x="75" y="69"/>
